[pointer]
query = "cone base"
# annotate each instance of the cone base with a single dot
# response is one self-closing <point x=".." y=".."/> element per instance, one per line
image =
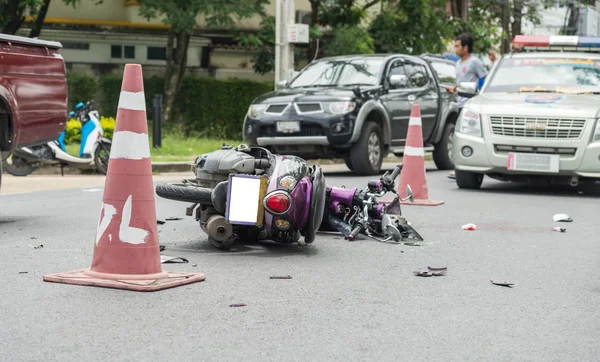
<point x="423" y="202"/>
<point x="134" y="283"/>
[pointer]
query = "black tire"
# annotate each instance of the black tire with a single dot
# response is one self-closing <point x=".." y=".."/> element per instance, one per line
<point x="367" y="153"/>
<point x="442" y="153"/>
<point x="468" y="180"/>
<point x="21" y="169"/>
<point x="184" y="192"/>
<point x="348" y="162"/>
<point x="1" y="171"/>
<point x="101" y="157"/>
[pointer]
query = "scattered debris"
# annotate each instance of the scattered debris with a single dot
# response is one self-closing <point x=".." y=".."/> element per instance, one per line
<point x="412" y="244"/>
<point x="281" y="277"/>
<point x="562" y="218"/>
<point x="160" y="222"/>
<point x="237" y="305"/>
<point x="23" y="272"/>
<point x="431" y="272"/>
<point x="172" y="259"/>
<point x="558" y="228"/>
<point x="37" y="247"/>
<point x="33" y="238"/>
<point x="162" y="247"/>
<point x="173" y="218"/>
<point x="194" y="265"/>
<point x="502" y="283"/>
<point x="469" y="227"/>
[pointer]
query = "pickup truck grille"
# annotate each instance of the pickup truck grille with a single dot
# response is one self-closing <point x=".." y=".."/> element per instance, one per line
<point x="305" y="130"/>
<point x="556" y="128"/>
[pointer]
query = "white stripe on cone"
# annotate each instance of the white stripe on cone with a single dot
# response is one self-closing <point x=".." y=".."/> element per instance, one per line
<point x="414" y="121"/>
<point x="130" y="145"/>
<point x="414" y="151"/>
<point x="134" y="101"/>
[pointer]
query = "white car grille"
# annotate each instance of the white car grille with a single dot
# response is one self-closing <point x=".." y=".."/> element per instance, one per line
<point x="557" y="128"/>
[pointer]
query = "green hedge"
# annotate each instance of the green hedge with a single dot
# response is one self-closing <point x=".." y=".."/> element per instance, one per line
<point x="205" y="106"/>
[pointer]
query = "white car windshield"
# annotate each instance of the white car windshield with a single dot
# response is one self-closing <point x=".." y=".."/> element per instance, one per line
<point x="342" y="72"/>
<point x="547" y="75"/>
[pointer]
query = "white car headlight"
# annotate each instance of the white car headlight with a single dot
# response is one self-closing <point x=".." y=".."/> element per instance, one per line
<point x="256" y="110"/>
<point x="470" y="123"/>
<point x="596" y="137"/>
<point x="339" y="107"/>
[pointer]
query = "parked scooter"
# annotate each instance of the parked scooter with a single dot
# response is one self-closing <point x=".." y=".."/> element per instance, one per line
<point x="251" y="194"/>
<point x="94" y="150"/>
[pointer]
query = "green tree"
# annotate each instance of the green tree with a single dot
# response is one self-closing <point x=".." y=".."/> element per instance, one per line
<point x="182" y="17"/>
<point x="350" y="40"/>
<point x="411" y="27"/>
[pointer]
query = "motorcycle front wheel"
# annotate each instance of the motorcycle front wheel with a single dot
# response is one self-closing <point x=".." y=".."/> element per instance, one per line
<point x="101" y="157"/>
<point x="18" y="166"/>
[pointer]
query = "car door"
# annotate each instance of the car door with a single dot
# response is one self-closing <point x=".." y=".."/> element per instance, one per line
<point x="397" y="102"/>
<point x="425" y="94"/>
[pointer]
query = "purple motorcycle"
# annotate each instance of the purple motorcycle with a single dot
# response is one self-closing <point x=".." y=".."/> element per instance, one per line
<point x="250" y="194"/>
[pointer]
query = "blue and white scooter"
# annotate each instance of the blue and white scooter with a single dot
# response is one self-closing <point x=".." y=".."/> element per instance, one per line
<point x="94" y="150"/>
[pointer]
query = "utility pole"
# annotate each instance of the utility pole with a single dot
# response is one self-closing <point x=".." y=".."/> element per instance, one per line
<point x="287" y="32"/>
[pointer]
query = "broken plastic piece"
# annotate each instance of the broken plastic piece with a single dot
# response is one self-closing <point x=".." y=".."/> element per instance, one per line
<point x="281" y="277"/>
<point x="172" y="259"/>
<point x="558" y="228"/>
<point x="38" y="246"/>
<point x="173" y="218"/>
<point x="237" y="305"/>
<point x="160" y="222"/>
<point x="502" y="283"/>
<point x="562" y="218"/>
<point x="469" y="227"/>
<point x="162" y="247"/>
<point x="432" y="272"/>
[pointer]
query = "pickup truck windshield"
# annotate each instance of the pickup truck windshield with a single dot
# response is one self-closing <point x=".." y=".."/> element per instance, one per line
<point x="344" y="72"/>
<point x="546" y="75"/>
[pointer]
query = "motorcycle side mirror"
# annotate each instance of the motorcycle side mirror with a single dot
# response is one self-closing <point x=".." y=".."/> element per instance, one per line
<point x="386" y="224"/>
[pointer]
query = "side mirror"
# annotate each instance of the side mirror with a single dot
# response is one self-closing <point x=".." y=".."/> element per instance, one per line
<point x="409" y="194"/>
<point x="398" y="80"/>
<point x="467" y="89"/>
<point x="282" y="84"/>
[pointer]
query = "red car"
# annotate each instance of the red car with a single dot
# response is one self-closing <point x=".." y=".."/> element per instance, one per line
<point x="33" y="92"/>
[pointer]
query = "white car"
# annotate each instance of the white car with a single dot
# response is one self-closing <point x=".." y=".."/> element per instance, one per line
<point x="536" y="117"/>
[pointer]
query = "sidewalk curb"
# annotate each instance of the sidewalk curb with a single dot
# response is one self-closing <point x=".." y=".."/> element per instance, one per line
<point x="173" y="167"/>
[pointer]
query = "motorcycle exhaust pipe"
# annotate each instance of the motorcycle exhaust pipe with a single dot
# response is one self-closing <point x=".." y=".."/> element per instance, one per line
<point x="218" y="228"/>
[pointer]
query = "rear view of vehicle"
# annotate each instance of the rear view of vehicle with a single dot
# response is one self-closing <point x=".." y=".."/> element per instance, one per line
<point x="536" y="118"/>
<point x="33" y="92"/>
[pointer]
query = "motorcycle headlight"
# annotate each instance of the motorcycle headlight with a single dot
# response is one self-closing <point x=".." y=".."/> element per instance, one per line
<point x="596" y="137"/>
<point x="256" y="110"/>
<point x="339" y="107"/>
<point x="469" y="123"/>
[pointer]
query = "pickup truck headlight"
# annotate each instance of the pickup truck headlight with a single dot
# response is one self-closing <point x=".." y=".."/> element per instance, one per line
<point x="256" y="110"/>
<point x="596" y="137"/>
<point x="470" y="123"/>
<point x="339" y="107"/>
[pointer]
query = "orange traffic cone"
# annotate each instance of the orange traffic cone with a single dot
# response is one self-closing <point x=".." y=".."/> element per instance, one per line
<point x="413" y="171"/>
<point x="126" y="249"/>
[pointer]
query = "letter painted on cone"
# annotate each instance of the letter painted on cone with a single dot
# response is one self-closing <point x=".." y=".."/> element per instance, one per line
<point x="127" y="233"/>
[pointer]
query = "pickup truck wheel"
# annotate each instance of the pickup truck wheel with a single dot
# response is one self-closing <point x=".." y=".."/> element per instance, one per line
<point x="348" y="162"/>
<point x="367" y="153"/>
<point x="468" y="180"/>
<point x="442" y="153"/>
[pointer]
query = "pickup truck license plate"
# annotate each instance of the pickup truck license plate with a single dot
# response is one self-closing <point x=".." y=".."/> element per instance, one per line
<point x="534" y="162"/>
<point x="288" y="127"/>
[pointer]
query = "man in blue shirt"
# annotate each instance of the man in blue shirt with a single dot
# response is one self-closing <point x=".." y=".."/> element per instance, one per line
<point x="468" y="68"/>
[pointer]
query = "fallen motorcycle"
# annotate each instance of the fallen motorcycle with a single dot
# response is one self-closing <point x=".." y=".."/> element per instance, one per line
<point x="248" y="193"/>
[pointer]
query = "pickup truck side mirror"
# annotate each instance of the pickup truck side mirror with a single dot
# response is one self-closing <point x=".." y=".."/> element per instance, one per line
<point x="398" y="80"/>
<point x="282" y="84"/>
<point x="467" y="89"/>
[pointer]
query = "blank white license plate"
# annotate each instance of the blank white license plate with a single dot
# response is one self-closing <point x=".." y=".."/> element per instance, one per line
<point x="534" y="162"/>
<point x="288" y="126"/>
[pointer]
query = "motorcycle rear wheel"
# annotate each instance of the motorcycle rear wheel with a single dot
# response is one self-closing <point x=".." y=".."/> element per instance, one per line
<point x="20" y="169"/>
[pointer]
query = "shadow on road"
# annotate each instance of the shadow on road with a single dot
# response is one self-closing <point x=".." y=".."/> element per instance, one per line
<point x="588" y="191"/>
<point x="261" y="249"/>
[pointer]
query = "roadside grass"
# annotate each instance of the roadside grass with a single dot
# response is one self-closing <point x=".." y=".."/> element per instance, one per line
<point x="176" y="147"/>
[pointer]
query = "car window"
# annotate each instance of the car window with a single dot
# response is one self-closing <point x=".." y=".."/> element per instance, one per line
<point x="546" y="74"/>
<point x="417" y="74"/>
<point x="397" y="68"/>
<point x="342" y="72"/>
<point x="446" y="72"/>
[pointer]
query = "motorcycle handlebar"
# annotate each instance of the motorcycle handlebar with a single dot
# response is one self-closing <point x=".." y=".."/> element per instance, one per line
<point x="396" y="172"/>
<point x="357" y="229"/>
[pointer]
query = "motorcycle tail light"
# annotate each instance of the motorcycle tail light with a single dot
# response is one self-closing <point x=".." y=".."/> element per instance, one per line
<point x="278" y="203"/>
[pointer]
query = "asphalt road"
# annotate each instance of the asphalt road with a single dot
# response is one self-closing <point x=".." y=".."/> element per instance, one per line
<point x="346" y="301"/>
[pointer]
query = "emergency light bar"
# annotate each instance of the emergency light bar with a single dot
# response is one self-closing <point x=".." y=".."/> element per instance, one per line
<point x="557" y="42"/>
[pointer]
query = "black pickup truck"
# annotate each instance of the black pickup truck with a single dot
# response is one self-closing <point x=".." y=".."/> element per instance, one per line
<point x="357" y="108"/>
